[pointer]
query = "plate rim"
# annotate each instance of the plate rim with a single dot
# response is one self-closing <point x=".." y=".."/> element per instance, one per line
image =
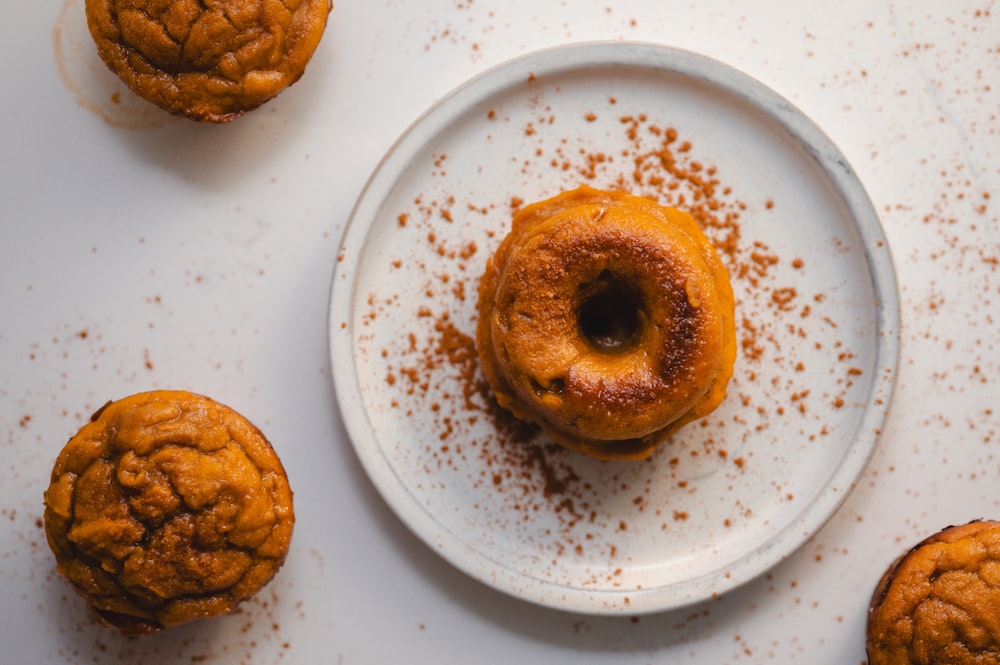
<point x="850" y="191"/>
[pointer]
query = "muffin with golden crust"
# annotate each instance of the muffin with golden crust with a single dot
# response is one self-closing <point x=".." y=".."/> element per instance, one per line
<point x="165" y="508"/>
<point x="608" y="320"/>
<point x="210" y="61"/>
<point x="940" y="602"/>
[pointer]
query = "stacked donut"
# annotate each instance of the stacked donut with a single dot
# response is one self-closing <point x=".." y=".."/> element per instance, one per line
<point x="608" y="320"/>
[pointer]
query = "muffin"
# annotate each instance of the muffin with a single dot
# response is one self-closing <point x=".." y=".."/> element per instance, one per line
<point x="939" y="604"/>
<point x="165" y="508"/>
<point x="207" y="61"/>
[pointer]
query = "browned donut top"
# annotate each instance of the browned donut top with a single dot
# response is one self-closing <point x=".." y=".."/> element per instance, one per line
<point x="207" y="60"/>
<point x="940" y="602"/>
<point x="167" y="507"/>
<point x="607" y="319"/>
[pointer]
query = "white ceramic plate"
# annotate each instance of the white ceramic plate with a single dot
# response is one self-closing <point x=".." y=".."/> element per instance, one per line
<point x="728" y="497"/>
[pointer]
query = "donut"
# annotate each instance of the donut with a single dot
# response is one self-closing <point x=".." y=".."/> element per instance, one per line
<point x="165" y="508"/>
<point x="940" y="601"/>
<point x="207" y="61"/>
<point x="608" y="320"/>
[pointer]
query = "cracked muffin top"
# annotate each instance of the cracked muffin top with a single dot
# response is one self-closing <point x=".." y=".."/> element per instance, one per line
<point x="210" y="60"/>
<point x="165" y="508"/>
<point x="940" y="602"/>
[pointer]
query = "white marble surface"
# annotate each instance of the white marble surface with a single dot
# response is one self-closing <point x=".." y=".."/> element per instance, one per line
<point x="142" y="251"/>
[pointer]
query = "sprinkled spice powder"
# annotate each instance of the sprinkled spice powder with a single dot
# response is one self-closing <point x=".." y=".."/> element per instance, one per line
<point x="513" y="479"/>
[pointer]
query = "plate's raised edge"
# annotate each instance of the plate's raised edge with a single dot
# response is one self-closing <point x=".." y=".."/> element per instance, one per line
<point x="656" y="57"/>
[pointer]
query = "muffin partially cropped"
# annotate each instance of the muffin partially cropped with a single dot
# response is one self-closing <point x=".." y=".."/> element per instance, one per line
<point x="940" y="602"/>
<point x="209" y="61"/>
<point x="165" y="508"/>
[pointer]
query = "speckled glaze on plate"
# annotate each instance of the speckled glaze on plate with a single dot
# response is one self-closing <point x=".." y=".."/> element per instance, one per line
<point x="724" y="500"/>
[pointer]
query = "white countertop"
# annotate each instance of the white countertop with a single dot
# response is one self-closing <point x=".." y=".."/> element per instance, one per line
<point x="142" y="251"/>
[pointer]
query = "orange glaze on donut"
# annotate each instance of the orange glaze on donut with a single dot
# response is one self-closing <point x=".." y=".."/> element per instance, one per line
<point x="608" y="320"/>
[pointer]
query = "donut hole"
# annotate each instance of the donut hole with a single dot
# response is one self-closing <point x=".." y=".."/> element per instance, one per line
<point x="610" y="313"/>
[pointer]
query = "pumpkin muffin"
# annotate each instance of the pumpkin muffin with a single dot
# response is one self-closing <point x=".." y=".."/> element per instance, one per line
<point x="165" y="508"/>
<point x="211" y="61"/>
<point x="940" y="602"/>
